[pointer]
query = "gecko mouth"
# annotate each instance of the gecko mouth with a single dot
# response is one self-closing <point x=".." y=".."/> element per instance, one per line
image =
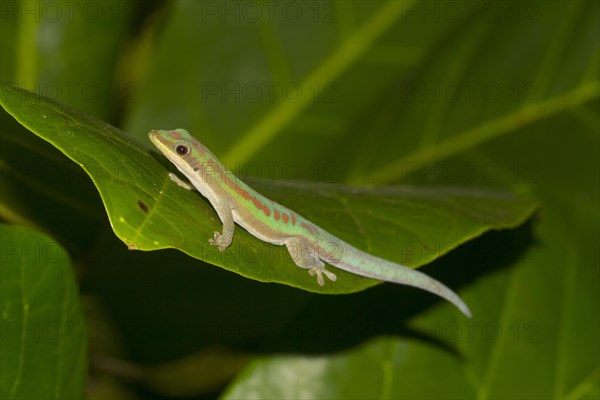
<point x="152" y="135"/>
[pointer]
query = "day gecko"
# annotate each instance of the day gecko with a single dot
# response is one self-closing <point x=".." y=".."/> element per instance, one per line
<point x="309" y="245"/>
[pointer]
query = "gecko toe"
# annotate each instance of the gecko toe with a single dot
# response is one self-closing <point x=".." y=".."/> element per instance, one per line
<point x="332" y="277"/>
<point x="319" y="272"/>
<point x="216" y="241"/>
<point x="320" y="279"/>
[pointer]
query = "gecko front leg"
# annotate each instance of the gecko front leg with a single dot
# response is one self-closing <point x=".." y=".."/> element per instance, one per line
<point x="180" y="183"/>
<point x="305" y="256"/>
<point x="224" y="239"/>
<point x="220" y="240"/>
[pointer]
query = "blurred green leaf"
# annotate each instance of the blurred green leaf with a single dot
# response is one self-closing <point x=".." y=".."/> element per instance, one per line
<point x="46" y="49"/>
<point x="376" y="370"/>
<point x="148" y="211"/>
<point x="295" y="77"/>
<point x="67" y="51"/>
<point x="44" y="338"/>
<point x="46" y="190"/>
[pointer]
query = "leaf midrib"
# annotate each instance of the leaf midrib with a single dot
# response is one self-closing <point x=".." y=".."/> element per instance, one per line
<point x="483" y="133"/>
<point x="271" y="125"/>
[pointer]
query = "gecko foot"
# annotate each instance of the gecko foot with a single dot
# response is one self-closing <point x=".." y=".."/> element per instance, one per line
<point x="217" y="241"/>
<point x="319" y="271"/>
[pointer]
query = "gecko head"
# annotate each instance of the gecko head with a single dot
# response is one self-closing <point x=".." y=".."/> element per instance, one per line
<point x="179" y="145"/>
<point x="169" y="136"/>
<point x="172" y="143"/>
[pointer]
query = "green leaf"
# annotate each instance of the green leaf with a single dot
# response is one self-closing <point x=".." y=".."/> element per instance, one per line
<point x="148" y="211"/>
<point x="533" y="332"/>
<point x="44" y="335"/>
<point x="375" y="370"/>
<point x="46" y="49"/>
<point x="46" y="190"/>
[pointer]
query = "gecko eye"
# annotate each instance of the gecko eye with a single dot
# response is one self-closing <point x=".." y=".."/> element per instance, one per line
<point x="182" y="150"/>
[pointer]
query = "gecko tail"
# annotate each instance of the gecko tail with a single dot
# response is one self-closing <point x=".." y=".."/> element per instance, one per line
<point x="364" y="264"/>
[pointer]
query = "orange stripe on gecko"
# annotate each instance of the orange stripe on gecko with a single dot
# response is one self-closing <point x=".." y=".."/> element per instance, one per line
<point x="285" y="218"/>
<point x="246" y="195"/>
<point x="309" y="227"/>
<point x="276" y="214"/>
<point x="176" y="135"/>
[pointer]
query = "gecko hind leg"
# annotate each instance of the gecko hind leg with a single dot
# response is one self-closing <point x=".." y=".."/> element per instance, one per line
<point x="305" y="256"/>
